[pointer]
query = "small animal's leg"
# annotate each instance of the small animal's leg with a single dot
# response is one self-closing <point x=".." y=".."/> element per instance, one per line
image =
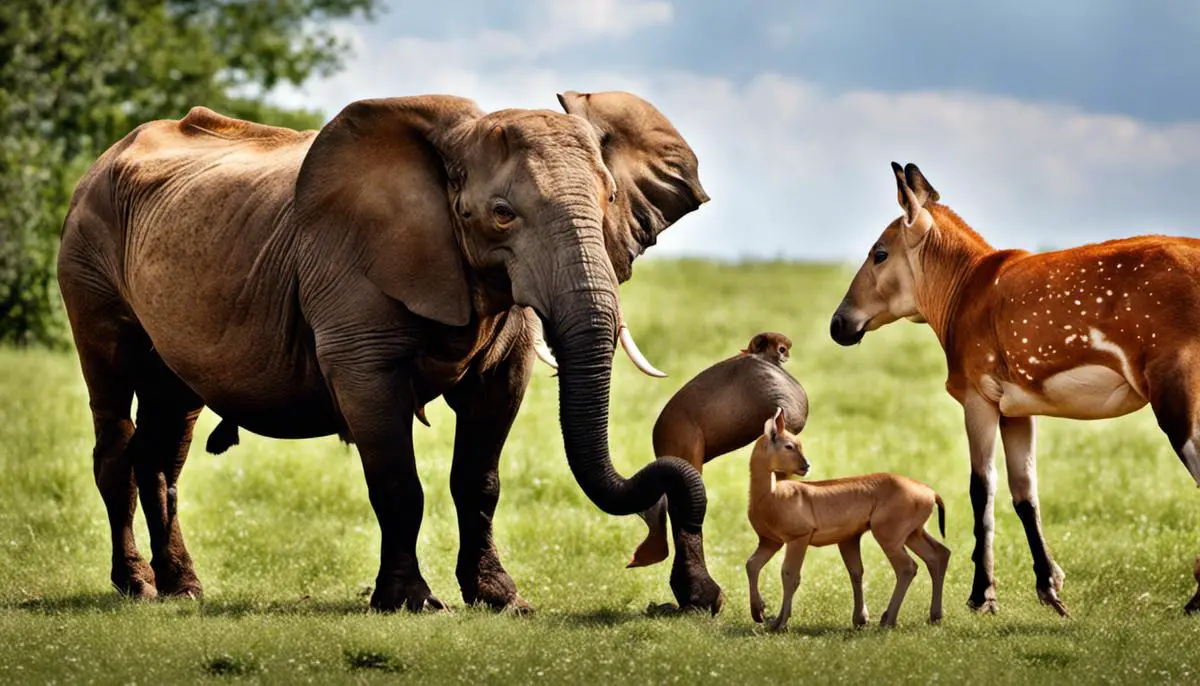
<point x="378" y="407"/>
<point x="754" y="564"/>
<point x="486" y="404"/>
<point x="851" y="550"/>
<point x="167" y="411"/>
<point x="108" y="353"/>
<point x="936" y="558"/>
<point x="1020" y="454"/>
<point x="906" y="571"/>
<point x="793" y="560"/>
<point x="982" y="418"/>
<point x="1173" y="384"/>
<point x="654" y="548"/>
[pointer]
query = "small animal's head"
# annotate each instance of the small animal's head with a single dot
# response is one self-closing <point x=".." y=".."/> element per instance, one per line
<point x="771" y="346"/>
<point x="780" y="448"/>
<point x="885" y="287"/>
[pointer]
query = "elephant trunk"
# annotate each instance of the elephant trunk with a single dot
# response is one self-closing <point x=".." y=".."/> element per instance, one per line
<point x="585" y="336"/>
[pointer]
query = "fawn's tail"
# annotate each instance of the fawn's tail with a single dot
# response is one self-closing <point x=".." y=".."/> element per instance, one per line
<point x="941" y="514"/>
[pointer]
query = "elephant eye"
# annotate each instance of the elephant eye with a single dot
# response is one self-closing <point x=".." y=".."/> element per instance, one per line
<point x="612" y="197"/>
<point x="880" y="256"/>
<point x="503" y="213"/>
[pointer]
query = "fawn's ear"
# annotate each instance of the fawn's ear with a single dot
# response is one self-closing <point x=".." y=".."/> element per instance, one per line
<point x="769" y="428"/>
<point x="780" y="427"/>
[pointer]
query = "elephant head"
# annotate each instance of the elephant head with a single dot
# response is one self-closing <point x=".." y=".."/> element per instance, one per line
<point x="549" y="209"/>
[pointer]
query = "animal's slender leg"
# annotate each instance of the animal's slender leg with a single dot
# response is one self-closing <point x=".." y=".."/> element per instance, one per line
<point x="982" y="418"/>
<point x="377" y="404"/>
<point x="754" y="564"/>
<point x="906" y="570"/>
<point x="936" y="557"/>
<point x="1172" y="385"/>
<point x="851" y="550"/>
<point x="485" y="404"/>
<point x="793" y="560"/>
<point x="167" y="411"/>
<point x="1020" y="454"/>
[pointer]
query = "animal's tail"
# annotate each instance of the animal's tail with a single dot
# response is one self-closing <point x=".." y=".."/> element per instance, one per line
<point x="941" y="514"/>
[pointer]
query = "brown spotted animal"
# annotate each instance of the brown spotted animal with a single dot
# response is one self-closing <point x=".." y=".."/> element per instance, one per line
<point x="718" y="412"/>
<point x="1086" y="333"/>
<point x="799" y="515"/>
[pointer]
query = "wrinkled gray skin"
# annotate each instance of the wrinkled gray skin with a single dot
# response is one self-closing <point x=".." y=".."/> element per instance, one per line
<point x="305" y="284"/>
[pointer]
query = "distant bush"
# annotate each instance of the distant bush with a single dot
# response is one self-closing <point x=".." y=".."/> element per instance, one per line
<point x="77" y="75"/>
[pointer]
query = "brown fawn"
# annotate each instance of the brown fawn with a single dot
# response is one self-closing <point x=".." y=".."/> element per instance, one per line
<point x="799" y="514"/>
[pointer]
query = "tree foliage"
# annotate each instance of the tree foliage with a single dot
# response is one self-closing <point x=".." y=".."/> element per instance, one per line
<point x="77" y="75"/>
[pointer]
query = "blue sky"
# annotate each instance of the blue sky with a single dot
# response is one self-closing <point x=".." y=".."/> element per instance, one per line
<point x="1043" y="124"/>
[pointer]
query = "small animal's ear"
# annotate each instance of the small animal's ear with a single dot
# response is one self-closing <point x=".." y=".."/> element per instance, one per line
<point x="757" y="344"/>
<point x="780" y="427"/>
<point x="769" y="427"/>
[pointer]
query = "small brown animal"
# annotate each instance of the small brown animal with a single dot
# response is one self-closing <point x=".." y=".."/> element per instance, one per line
<point x="718" y="412"/>
<point x="839" y="511"/>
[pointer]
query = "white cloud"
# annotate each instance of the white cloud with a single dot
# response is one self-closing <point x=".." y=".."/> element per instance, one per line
<point x="798" y="171"/>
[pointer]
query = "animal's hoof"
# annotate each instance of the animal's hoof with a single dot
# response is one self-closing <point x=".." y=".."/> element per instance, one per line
<point x="415" y="597"/>
<point x="518" y="606"/>
<point x="1193" y="607"/>
<point x="135" y="579"/>
<point x="495" y="590"/>
<point x="651" y="551"/>
<point x="661" y="609"/>
<point x="987" y="606"/>
<point x="1057" y="577"/>
<point x="179" y="584"/>
<point x="860" y="620"/>
<point x="756" y="612"/>
<point x="935" y="619"/>
<point x="778" y="626"/>
<point x="887" y="621"/>
<point x="1049" y="597"/>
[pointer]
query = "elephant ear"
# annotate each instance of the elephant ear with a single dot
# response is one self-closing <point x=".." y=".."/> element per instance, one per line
<point x="656" y="172"/>
<point x="377" y="172"/>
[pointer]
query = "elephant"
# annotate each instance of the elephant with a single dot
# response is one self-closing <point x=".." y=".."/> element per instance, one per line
<point x="304" y="284"/>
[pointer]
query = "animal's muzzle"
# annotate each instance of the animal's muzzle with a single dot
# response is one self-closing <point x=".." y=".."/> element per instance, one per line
<point x="844" y="331"/>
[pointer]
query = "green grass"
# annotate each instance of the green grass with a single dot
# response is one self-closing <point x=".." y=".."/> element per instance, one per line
<point x="285" y="541"/>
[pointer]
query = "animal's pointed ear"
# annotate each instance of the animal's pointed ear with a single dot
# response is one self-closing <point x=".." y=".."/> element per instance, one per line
<point x="917" y="220"/>
<point x="656" y="172"/>
<point x="378" y="173"/>
<point x="780" y="427"/>
<point x="757" y="344"/>
<point x="920" y="185"/>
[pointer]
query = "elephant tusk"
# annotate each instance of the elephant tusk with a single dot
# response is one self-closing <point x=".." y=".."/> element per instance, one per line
<point x="639" y="360"/>
<point x="539" y="345"/>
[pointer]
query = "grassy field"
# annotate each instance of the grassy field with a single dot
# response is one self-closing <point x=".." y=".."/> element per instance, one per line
<point x="285" y="541"/>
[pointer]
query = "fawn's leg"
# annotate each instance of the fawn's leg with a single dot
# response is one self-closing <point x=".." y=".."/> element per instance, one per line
<point x="852" y="555"/>
<point x="906" y="570"/>
<point x="754" y="564"/>
<point x="793" y="560"/>
<point x="936" y="558"/>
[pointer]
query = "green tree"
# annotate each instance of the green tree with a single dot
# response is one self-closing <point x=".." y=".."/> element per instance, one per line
<point x="77" y="75"/>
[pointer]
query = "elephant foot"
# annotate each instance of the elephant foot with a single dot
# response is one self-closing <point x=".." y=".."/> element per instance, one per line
<point x="134" y="578"/>
<point x="496" y="590"/>
<point x="413" y="595"/>
<point x="178" y="581"/>
<point x="694" y="589"/>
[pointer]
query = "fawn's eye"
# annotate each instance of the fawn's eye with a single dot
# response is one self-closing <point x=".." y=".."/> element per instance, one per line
<point x="880" y="256"/>
<point x="789" y="446"/>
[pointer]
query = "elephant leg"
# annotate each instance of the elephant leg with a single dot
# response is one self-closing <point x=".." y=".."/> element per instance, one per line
<point x="486" y="405"/>
<point x="108" y="354"/>
<point x="167" y="411"/>
<point x="377" y="405"/>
